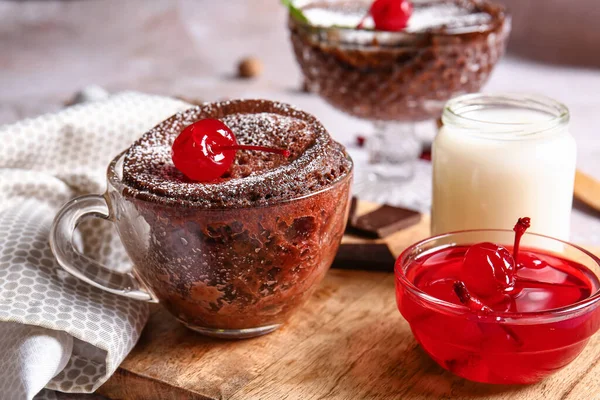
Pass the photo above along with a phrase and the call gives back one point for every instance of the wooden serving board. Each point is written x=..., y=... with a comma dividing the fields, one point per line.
x=348, y=342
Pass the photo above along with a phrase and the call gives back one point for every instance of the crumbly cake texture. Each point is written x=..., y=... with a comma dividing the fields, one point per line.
x=256, y=178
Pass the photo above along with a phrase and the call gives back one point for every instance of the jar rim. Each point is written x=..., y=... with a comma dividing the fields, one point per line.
x=455, y=108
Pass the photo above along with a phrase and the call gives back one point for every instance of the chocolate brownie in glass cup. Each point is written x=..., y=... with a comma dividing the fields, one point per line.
x=231, y=258
x=396, y=78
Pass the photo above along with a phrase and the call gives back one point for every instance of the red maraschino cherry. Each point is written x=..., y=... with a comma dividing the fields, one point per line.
x=488, y=269
x=389, y=15
x=205, y=150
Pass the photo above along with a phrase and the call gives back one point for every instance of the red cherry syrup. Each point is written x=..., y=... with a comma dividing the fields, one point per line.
x=482, y=344
x=543, y=282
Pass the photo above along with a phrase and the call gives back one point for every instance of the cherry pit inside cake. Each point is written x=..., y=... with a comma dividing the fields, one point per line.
x=245, y=250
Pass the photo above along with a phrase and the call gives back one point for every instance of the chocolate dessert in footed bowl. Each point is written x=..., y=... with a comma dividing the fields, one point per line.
x=232, y=256
x=396, y=63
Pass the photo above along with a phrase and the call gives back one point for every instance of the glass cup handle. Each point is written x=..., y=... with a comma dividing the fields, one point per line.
x=82, y=267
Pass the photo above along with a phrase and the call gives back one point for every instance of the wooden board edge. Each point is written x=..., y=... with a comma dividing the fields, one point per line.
x=126, y=385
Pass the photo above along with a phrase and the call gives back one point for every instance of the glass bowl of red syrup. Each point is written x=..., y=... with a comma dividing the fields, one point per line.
x=513, y=325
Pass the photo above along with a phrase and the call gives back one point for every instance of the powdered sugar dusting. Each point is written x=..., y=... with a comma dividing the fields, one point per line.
x=256, y=178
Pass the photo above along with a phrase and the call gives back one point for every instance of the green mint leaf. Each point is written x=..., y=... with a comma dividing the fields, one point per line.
x=295, y=12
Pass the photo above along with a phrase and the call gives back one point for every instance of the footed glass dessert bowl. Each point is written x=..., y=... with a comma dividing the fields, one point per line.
x=396, y=78
x=235, y=256
x=513, y=323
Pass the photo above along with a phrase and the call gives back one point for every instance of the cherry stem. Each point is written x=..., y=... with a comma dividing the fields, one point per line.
x=520, y=227
x=474, y=304
x=467, y=299
x=283, y=152
x=362, y=21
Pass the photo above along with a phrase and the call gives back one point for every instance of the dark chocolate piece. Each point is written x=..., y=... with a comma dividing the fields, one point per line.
x=364, y=256
x=384, y=221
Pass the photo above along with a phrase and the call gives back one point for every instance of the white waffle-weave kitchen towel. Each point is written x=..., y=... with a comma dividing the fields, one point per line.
x=55, y=331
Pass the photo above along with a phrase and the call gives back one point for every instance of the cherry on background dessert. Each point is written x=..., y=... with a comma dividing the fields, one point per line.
x=236, y=238
x=389, y=15
x=488, y=269
x=499, y=313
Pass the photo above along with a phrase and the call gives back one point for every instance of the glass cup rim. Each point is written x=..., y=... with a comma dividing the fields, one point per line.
x=516, y=317
x=115, y=182
x=400, y=39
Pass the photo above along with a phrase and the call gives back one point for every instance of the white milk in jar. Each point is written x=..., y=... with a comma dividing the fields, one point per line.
x=501, y=157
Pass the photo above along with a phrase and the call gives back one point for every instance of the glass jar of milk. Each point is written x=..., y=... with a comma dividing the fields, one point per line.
x=501, y=157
